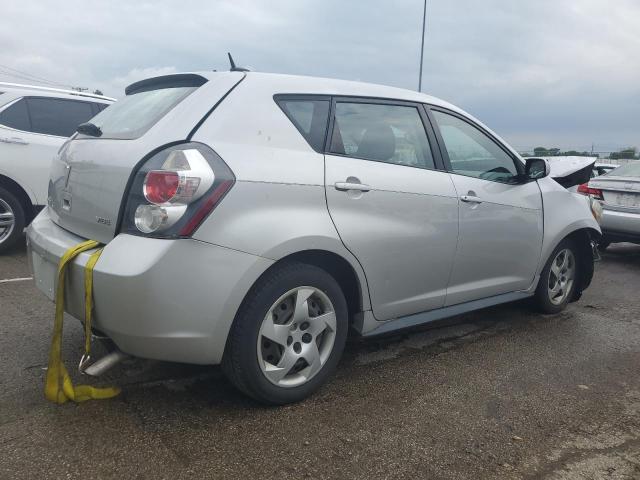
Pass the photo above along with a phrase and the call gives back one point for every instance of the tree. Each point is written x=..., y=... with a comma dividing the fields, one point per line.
x=546, y=152
x=540, y=151
x=97, y=92
x=625, y=153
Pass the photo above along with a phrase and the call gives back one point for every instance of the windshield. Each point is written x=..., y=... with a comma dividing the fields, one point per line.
x=132, y=116
x=631, y=169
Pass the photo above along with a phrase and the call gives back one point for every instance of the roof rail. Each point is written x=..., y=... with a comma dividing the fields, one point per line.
x=58, y=90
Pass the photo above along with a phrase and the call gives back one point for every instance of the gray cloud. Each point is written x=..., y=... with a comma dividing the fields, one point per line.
x=551, y=72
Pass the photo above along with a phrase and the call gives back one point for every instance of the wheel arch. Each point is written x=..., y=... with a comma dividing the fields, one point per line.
x=352, y=282
x=22, y=195
x=339, y=268
x=582, y=238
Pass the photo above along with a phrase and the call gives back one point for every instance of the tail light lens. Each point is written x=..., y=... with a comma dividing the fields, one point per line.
x=585, y=189
x=175, y=190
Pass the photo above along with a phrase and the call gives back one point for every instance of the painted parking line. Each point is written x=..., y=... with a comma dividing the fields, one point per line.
x=22, y=279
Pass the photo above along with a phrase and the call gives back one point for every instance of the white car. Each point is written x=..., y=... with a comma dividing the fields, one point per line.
x=603, y=168
x=34, y=123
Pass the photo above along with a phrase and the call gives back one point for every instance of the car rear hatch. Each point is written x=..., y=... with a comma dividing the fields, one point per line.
x=89, y=176
x=619, y=192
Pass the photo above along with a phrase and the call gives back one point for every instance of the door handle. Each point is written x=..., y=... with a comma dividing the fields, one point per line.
x=16, y=140
x=470, y=199
x=346, y=186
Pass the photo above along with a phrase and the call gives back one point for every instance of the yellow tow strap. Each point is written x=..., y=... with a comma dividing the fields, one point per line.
x=58, y=387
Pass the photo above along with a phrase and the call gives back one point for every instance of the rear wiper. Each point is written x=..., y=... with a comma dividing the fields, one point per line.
x=89, y=128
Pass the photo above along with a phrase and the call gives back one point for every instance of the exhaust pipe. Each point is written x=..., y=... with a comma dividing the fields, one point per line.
x=104, y=364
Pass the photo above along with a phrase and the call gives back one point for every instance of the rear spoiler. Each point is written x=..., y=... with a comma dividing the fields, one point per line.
x=166, y=81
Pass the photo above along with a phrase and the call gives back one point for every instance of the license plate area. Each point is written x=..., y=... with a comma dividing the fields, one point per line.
x=621, y=199
x=44, y=274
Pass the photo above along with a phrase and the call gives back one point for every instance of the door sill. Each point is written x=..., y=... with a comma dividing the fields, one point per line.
x=372, y=327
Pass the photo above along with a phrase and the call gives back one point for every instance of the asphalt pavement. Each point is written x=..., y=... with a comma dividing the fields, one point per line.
x=500, y=393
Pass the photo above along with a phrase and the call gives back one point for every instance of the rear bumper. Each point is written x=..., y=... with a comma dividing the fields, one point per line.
x=163, y=299
x=620, y=226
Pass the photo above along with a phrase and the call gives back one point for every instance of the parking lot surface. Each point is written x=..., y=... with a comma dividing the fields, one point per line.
x=500, y=393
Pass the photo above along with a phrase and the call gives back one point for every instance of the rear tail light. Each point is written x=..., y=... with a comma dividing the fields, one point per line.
x=585, y=189
x=160, y=186
x=175, y=190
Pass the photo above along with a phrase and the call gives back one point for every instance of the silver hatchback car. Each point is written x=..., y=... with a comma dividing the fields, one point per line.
x=251, y=220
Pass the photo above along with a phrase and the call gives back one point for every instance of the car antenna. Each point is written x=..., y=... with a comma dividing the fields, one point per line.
x=233, y=65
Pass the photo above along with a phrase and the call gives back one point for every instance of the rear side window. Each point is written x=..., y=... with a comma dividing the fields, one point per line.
x=54, y=116
x=309, y=117
x=16, y=116
x=132, y=116
x=383, y=133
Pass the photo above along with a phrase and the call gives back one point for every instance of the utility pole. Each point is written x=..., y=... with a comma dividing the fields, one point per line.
x=424, y=22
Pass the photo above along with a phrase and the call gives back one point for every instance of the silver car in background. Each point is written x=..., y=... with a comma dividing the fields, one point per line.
x=619, y=194
x=251, y=220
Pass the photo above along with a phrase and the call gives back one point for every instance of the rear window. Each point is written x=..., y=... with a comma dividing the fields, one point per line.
x=631, y=169
x=132, y=116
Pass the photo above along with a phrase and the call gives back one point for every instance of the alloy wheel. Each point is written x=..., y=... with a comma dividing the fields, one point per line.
x=296, y=336
x=7, y=220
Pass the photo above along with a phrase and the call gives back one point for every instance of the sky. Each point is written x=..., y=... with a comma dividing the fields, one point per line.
x=562, y=73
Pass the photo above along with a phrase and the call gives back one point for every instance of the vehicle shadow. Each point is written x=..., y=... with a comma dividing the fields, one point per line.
x=623, y=253
x=207, y=387
x=20, y=248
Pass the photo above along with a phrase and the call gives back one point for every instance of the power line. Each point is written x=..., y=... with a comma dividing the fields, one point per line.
x=15, y=73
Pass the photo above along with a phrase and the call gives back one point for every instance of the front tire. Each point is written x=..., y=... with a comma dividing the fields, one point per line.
x=559, y=279
x=12, y=220
x=288, y=335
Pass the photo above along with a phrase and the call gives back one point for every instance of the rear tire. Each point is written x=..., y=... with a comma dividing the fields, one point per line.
x=559, y=279
x=288, y=335
x=12, y=220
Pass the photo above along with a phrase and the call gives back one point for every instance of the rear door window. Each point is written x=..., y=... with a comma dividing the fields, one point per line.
x=309, y=117
x=382, y=133
x=16, y=116
x=56, y=116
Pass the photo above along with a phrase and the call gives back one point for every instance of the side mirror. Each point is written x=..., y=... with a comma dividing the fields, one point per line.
x=536, y=168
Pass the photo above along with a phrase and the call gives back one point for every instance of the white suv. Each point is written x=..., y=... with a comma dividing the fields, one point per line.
x=34, y=123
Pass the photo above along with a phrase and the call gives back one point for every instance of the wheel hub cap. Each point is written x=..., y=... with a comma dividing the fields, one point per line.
x=296, y=336
x=561, y=276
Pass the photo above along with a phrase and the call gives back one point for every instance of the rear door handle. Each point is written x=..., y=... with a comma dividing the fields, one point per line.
x=346, y=186
x=470, y=199
x=15, y=140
